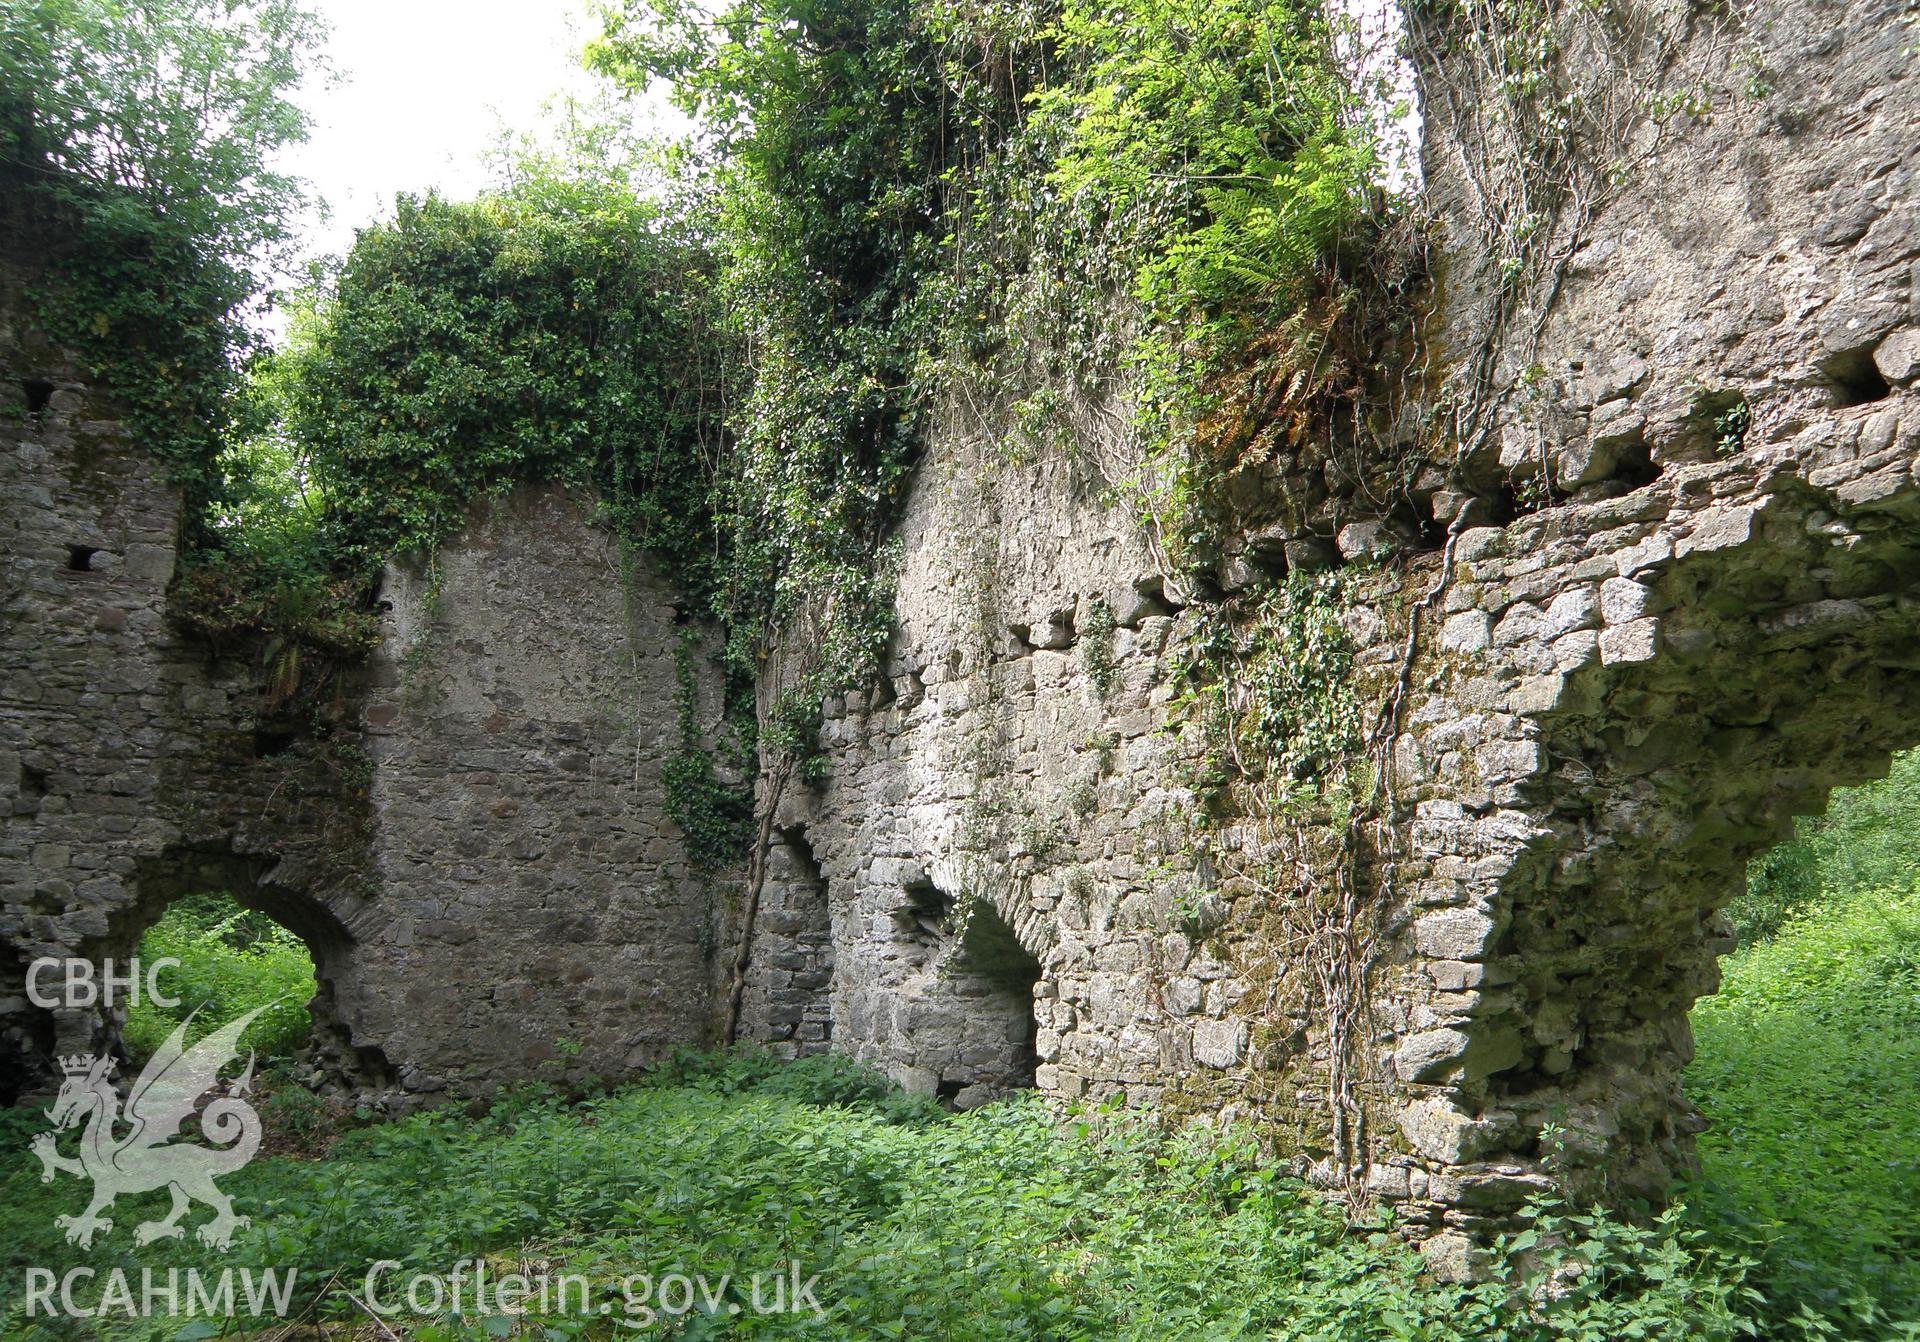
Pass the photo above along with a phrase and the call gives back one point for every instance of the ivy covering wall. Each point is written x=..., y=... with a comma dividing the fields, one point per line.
x=1161, y=206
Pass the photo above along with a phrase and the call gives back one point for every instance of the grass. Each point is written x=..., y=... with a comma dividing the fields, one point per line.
x=1809, y=1068
x=1003, y=1223
x=1012, y=1223
x=231, y=960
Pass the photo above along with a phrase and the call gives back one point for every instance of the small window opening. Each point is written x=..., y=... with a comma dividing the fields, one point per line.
x=39, y=394
x=271, y=741
x=1855, y=378
x=80, y=558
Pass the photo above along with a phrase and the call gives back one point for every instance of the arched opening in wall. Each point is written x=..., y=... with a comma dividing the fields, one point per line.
x=790, y=983
x=232, y=961
x=965, y=1019
x=1006, y=974
x=1807, y=1061
x=244, y=944
x=1681, y=1021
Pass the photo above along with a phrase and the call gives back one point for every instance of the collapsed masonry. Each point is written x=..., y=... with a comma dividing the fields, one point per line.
x=468, y=831
x=1624, y=682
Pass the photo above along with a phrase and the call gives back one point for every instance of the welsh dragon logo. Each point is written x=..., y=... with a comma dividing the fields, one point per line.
x=146, y=1156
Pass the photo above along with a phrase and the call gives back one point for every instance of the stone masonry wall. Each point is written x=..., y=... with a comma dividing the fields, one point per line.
x=1711, y=626
x=540, y=916
x=1694, y=628
x=1678, y=601
x=131, y=770
x=471, y=836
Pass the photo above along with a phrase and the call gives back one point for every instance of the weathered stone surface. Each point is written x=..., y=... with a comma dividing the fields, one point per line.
x=1636, y=670
x=520, y=809
x=1219, y=1043
x=1622, y=695
x=475, y=847
x=1898, y=356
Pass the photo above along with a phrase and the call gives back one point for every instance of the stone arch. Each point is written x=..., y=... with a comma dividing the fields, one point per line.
x=1692, y=668
x=1771, y=688
x=962, y=1024
x=260, y=884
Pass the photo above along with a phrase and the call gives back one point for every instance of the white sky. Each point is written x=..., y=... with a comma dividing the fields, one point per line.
x=425, y=87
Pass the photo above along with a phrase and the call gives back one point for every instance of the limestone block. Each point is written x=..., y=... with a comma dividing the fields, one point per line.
x=1523, y=623
x=1369, y=540
x=1137, y=600
x=1438, y=1131
x=1574, y=650
x=1898, y=356
x=1468, y=631
x=1718, y=530
x=1622, y=600
x=1308, y=554
x=1237, y=574
x=1219, y=1043
x=1447, y=1052
x=1638, y=641
x=1455, y=934
x=1578, y=609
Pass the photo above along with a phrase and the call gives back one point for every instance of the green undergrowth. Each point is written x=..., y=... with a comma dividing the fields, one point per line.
x=138, y=158
x=1809, y=1070
x=231, y=961
x=1867, y=836
x=1004, y=1223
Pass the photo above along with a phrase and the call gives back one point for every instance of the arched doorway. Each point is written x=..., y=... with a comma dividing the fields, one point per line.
x=963, y=1022
x=245, y=940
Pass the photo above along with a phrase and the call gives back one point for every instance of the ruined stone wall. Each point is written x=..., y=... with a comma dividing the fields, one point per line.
x=985, y=821
x=1016, y=889
x=131, y=764
x=1657, y=631
x=539, y=912
x=1676, y=603
x=1711, y=621
x=469, y=833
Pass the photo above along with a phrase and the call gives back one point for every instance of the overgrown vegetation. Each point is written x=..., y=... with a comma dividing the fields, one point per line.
x=137, y=143
x=1010, y=206
x=1162, y=206
x=142, y=141
x=1809, y=1070
x=1009, y=1223
x=550, y=331
x=232, y=960
x=1868, y=838
x=1153, y=212
x=1273, y=694
x=1002, y=1223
